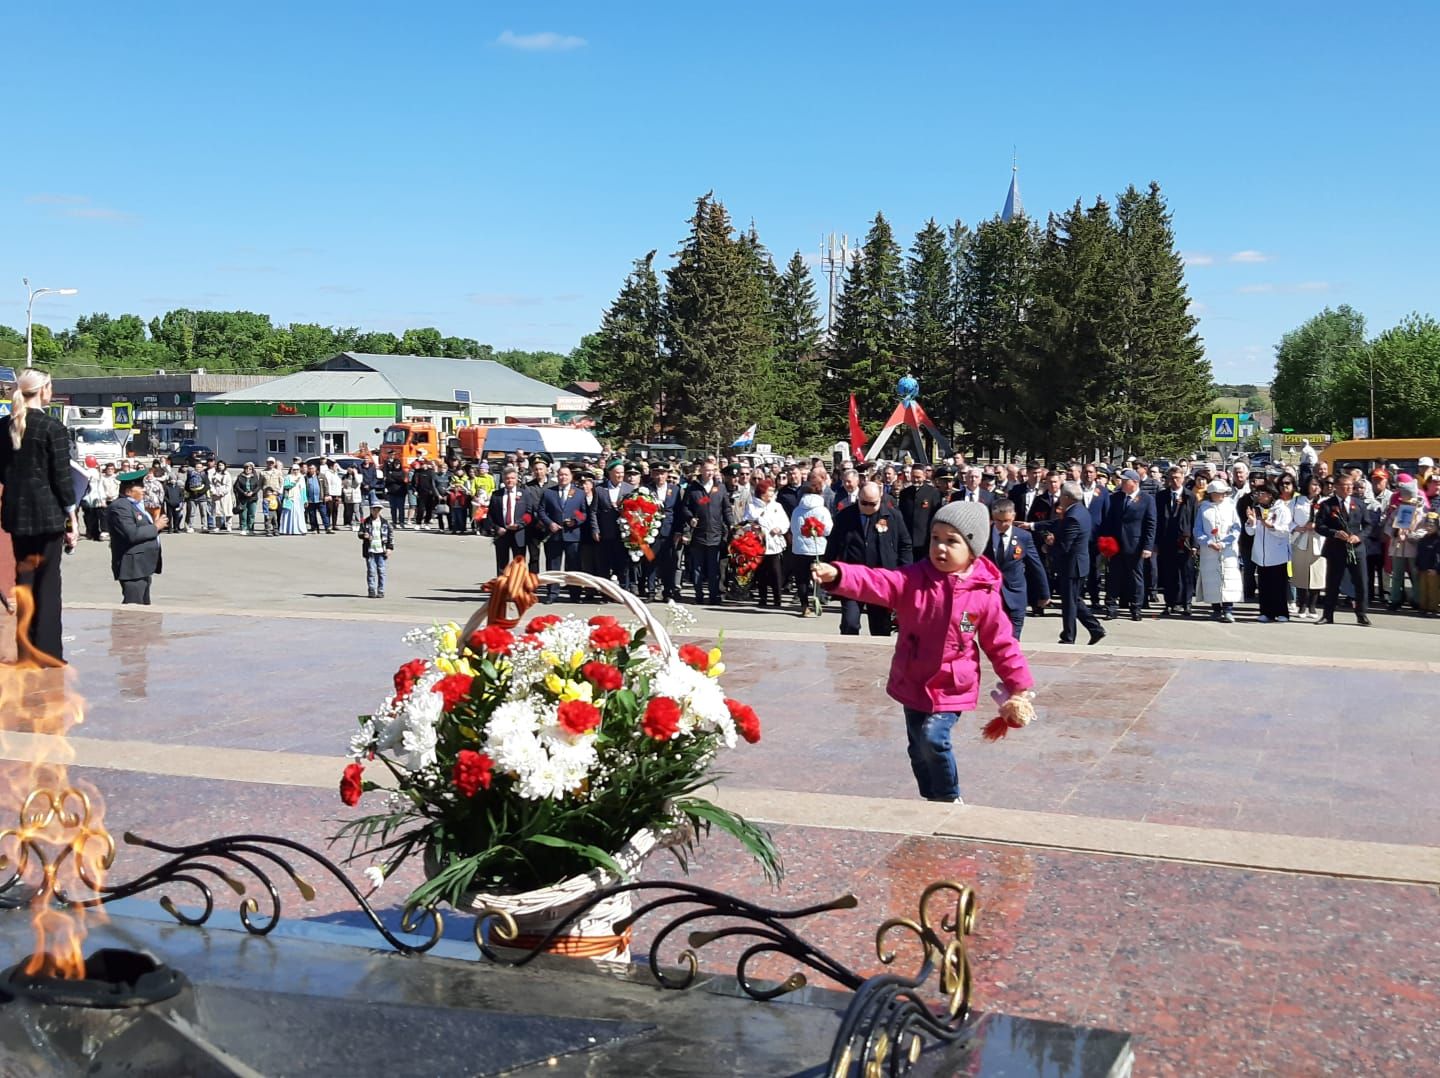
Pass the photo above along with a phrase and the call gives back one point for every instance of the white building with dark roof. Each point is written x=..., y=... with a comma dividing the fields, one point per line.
x=347, y=401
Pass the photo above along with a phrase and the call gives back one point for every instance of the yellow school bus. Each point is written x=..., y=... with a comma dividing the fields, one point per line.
x=1404, y=453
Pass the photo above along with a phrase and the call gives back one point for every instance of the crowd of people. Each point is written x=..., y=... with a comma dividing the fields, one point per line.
x=1181, y=539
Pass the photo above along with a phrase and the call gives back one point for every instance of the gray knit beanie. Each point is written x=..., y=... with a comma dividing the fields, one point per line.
x=970, y=519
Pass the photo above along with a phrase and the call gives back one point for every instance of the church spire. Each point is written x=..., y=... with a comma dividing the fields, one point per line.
x=1013, y=206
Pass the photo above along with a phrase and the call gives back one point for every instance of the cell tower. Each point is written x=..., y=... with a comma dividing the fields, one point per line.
x=836, y=256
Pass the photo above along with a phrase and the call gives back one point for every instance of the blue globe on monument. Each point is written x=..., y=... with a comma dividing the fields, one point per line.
x=908, y=388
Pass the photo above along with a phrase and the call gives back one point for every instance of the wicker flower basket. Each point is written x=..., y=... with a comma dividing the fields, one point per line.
x=536, y=912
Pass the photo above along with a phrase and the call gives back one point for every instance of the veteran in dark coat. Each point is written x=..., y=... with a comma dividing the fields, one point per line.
x=870, y=532
x=918, y=503
x=134, y=540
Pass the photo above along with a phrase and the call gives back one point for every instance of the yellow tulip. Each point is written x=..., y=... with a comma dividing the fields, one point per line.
x=445, y=666
x=716, y=669
x=577, y=659
x=714, y=656
x=555, y=683
x=576, y=691
x=449, y=641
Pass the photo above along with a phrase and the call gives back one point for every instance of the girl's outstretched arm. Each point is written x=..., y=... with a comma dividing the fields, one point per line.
x=881, y=587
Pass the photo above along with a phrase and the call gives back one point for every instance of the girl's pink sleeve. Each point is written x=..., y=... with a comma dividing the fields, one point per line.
x=879, y=586
x=997, y=640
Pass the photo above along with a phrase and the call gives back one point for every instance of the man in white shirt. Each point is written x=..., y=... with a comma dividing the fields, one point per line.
x=507, y=516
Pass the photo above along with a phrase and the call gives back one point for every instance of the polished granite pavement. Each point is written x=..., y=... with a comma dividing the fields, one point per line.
x=1217, y=970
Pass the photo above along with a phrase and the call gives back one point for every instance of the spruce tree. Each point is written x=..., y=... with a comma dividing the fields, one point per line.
x=1167, y=381
x=930, y=325
x=716, y=330
x=626, y=359
x=994, y=386
x=797, y=365
x=868, y=352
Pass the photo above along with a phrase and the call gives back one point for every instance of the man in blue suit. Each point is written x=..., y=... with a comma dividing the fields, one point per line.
x=1068, y=538
x=663, y=568
x=1130, y=521
x=606, y=526
x=1014, y=554
x=562, y=516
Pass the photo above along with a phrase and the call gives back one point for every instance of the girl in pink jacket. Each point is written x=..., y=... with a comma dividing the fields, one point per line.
x=949, y=609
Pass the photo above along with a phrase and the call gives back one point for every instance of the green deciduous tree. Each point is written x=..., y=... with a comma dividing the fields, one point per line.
x=1307, y=362
x=422, y=342
x=1406, y=371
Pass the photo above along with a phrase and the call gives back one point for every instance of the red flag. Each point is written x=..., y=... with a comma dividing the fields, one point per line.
x=857, y=436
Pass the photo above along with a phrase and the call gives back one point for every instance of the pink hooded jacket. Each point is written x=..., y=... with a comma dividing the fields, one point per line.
x=943, y=616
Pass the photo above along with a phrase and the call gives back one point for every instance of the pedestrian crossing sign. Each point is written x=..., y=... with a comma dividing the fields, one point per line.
x=123, y=415
x=4, y=408
x=1225, y=427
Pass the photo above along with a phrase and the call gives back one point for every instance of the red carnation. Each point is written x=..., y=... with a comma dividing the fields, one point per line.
x=453, y=689
x=531, y=639
x=1108, y=546
x=543, y=622
x=695, y=656
x=609, y=638
x=526, y=519
x=662, y=718
x=351, y=785
x=703, y=500
x=472, y=773
x=603, y=676
x=493, y=639
x=579, y=516
x=602, y=619
x=578, y=716
x=746, y=721
x=406, y=677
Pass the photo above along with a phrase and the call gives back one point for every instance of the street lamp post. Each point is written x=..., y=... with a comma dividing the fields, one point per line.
x=29, y=315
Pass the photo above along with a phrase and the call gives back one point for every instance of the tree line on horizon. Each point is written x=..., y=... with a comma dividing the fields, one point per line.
x=243, y=342
x=1326, y=367
x=1071, y=338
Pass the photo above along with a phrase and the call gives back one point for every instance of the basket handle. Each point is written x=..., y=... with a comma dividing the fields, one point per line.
x=518, y=587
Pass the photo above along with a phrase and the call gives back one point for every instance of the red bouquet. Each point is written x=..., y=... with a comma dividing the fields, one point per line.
x=812, y=528
x=640, y=516
x=747, y=550
x=1108, y=546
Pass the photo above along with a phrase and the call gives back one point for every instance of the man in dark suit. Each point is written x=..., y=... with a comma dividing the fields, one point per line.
x=1175, y=543
x=562, y=517
x=663, y=568
x=870, y=532
x=134, y=540
x=971, y=490
x=704, y=520
x=606, y=527
x=507, y=519
x=535, y=535
x=1068, y=538
x=1025, y=494
x=1023, y=582
x=1130, y=521
x=1341, y=520
x=917, y=504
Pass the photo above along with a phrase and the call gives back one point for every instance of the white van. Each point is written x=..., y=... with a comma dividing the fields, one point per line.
x=486, y=441
x=105, y=445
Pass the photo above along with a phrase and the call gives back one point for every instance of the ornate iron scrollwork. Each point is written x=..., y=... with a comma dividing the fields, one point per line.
x=883, y=1032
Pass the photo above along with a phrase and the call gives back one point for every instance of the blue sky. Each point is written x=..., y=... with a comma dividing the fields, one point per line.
x=492, y=168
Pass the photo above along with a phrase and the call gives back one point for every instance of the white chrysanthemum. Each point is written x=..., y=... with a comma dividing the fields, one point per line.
x=548, y=780
x=362, y=739
x=514, y=717
x=516, y=752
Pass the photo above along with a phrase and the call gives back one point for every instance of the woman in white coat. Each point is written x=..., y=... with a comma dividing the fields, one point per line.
x=1268, y=520
x=774, y=524
x=809, y=549
x=1217, y=534
x=222, y=496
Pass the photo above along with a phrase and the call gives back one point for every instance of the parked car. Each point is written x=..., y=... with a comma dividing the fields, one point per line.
x=192, y=453
x=342, y=461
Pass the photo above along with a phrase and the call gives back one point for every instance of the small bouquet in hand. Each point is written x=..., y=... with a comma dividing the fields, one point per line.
x=1016, y=710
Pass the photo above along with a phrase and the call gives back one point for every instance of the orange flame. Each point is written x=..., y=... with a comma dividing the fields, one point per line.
x=57, y=842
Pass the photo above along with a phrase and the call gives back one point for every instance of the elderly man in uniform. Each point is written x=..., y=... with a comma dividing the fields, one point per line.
x=134, y=540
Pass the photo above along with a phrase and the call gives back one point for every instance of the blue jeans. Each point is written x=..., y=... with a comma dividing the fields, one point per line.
x=930, y=757
x=375, y=573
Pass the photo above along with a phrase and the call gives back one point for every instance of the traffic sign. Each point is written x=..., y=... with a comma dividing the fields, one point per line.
x=1225, y=427
x=4, y=409
x=7, y=374
x=124, y=415
x=1360, y=427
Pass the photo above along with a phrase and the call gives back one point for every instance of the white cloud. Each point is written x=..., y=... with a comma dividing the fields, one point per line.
x=79, y=207
x=1255, y=289
x=1197, y=259
x=503, y=299
x=1197, y=308
x=1267, y=287
x=56, y=200
x=1313, y=286
x=1250, y=256
x=544, y=41
x=339, y=289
